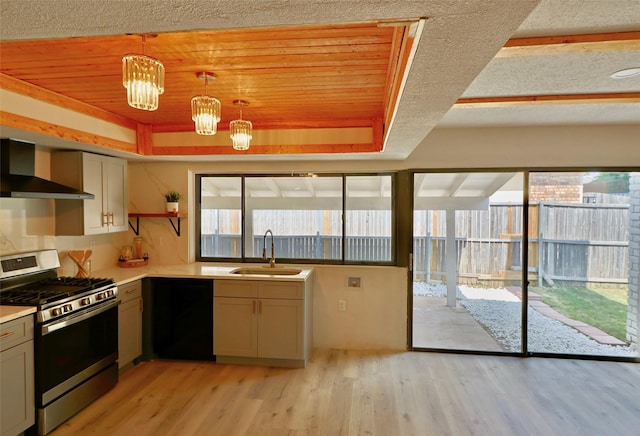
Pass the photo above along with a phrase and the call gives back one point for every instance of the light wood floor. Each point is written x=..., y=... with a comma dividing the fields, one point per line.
x=370, y=393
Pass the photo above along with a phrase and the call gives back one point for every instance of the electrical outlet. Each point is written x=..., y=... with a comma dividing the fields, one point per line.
x=354, y=282
x=342, y=305
x=92, y=245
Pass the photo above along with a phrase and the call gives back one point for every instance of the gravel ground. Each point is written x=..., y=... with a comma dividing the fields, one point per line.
x=499, y=311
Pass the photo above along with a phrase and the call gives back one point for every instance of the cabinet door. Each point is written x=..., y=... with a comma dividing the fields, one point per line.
x=281, y=329
x=17, y=398
x=117, y=194
x=129, y=331
x=93, y=173
x=235, y=327
x=130, y=291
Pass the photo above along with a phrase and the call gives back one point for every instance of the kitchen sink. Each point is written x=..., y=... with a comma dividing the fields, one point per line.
x=267, y=270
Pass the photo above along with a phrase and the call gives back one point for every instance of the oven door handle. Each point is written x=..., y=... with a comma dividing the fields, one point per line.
x=66, y=322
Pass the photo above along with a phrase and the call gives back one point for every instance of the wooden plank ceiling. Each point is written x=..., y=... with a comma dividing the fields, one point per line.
x=315, y=76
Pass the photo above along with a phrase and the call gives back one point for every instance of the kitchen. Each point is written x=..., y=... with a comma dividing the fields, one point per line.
x=29, y=224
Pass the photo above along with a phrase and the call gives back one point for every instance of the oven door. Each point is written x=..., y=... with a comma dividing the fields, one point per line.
x=75, y=348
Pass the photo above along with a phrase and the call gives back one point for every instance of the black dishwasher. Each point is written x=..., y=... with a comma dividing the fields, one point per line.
x=182, y=318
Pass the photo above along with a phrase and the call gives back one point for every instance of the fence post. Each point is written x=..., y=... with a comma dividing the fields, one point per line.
x=541, y=222
x=428, y=249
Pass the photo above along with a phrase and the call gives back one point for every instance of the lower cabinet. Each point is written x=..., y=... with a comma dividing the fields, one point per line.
x=17, y=398
x=129, y=322
x=262, y=320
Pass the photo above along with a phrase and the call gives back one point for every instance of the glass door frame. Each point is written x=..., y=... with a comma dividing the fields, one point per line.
x=525, y=242
x=408, y=221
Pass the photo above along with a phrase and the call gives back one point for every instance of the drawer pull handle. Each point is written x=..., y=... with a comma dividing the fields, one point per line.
x=129, y=291
x=6, y=335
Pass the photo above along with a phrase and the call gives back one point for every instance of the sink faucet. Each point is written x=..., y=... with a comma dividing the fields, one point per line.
x=272, y=261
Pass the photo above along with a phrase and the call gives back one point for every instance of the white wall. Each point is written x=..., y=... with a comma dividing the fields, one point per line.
x=376, y=315
x=528, y=147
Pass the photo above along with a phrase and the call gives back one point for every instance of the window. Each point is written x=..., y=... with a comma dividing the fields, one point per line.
x=220, y=217
x=304, y=213
x=368, y=218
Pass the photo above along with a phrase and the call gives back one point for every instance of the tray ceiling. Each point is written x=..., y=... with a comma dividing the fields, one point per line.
x=304, y=64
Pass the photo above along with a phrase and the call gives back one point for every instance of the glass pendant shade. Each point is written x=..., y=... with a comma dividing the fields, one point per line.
x=205, y=112
x=143, y=77
x=240, y=134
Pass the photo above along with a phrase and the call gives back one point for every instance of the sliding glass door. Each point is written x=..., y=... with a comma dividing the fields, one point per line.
x=582, y=262
x=585, y=246
x=467, y=268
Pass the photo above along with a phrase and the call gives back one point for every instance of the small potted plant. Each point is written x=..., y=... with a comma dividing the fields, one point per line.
x=172, y=198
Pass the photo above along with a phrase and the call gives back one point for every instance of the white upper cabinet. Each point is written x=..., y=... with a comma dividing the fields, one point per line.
x=103, y=176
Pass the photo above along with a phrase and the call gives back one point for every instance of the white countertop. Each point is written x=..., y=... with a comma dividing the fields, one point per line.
x=195, y=270
x=190, y=270
x=9, y=313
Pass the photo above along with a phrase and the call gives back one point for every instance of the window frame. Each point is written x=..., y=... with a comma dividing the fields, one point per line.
x=247, y=259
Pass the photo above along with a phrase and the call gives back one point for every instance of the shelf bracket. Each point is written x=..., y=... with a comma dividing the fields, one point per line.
x=136, y=229
x=170, y=216
x=176, y=229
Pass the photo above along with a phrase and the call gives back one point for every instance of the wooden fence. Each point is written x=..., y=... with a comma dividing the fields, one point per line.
x=571, y=243
x=360, y=248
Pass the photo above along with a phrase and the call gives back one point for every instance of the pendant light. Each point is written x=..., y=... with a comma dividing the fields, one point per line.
x=143, y=76
x=240, y=129
x=205, y=110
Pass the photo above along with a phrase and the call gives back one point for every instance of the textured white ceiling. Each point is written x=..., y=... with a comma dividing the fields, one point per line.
x=566, y=74
x=586, y=73
x=575, y=17
x=544, y=115
x=453, y=58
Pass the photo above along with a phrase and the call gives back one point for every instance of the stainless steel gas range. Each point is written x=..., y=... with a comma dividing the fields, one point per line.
x=76, y=333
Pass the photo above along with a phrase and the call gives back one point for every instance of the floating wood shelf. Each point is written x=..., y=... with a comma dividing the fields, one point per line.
x=169, y=215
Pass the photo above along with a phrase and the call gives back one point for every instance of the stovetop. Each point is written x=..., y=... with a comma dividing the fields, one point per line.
x=45, y=292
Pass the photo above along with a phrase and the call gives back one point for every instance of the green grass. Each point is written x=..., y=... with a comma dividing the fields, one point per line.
x=602, y=308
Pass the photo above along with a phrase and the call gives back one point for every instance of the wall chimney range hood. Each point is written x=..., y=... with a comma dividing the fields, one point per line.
x=18, y=175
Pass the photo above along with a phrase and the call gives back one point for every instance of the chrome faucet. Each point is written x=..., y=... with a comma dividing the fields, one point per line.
x=272, y=261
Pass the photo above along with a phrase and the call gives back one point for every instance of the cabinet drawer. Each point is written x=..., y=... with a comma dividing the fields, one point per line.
x=235, y=288
x=16, y=332
x=130, y=291
x=287, y=290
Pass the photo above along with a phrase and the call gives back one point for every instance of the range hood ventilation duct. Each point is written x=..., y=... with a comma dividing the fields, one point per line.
x=18, y=179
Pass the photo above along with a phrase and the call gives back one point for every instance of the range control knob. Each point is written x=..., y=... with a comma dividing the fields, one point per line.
x=109, y=292
x=56, y=311
x=85, y=301
x=67, y=308
x=100, y=296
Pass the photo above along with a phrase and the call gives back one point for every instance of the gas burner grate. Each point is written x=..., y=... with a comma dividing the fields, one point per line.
x=32, y=297
x=44, y=292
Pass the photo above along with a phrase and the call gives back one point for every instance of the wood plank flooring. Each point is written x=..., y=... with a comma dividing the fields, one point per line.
x=370, y=393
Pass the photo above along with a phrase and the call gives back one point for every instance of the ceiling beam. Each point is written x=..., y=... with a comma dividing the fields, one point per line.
x=21, y=87
x=422, y=182
x=571, y=44
x=498, y=183
x=528, y=100
x=271, y=184
x=457, y=184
